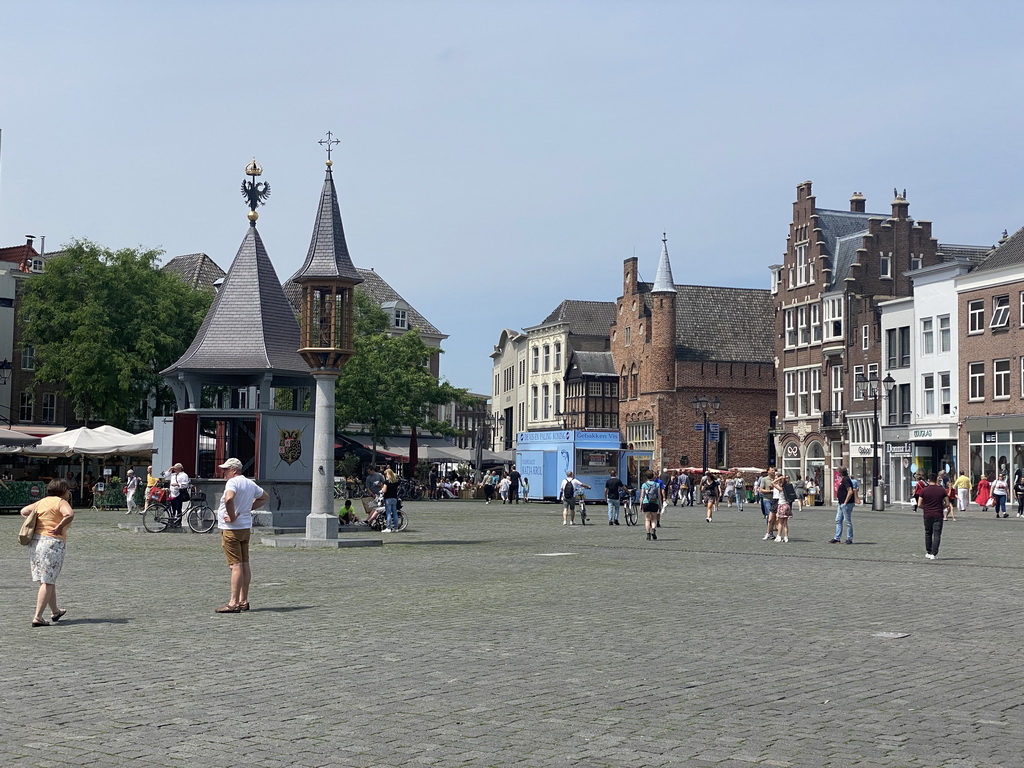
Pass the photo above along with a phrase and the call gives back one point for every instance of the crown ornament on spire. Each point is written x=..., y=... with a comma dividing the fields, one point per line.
x=254, y=192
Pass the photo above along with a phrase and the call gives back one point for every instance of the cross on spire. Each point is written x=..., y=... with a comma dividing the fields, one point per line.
x=328, y=144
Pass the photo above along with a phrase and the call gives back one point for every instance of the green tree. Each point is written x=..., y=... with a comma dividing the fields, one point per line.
x=387, y=385
x=104, y=323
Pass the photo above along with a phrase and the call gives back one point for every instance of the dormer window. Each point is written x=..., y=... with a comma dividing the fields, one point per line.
x=399, y=314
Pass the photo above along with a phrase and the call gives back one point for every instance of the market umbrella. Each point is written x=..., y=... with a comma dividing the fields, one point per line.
x=11, y=439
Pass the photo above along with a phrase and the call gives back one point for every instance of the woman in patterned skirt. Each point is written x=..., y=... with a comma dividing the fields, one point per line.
x=46, y=552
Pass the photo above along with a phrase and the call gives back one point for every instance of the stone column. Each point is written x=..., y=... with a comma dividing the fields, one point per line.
x=322, y=523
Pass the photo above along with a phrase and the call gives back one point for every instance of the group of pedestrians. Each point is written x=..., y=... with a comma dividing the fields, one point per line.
x=510, y=486
x=54, y=515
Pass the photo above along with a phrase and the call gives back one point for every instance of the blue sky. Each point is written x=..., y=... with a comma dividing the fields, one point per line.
x=498, y=157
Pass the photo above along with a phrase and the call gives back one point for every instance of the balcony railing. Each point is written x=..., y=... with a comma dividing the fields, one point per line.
x=833, y=419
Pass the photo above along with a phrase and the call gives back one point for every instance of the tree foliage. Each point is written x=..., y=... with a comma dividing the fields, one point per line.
x=104, y=323
x=387, y=385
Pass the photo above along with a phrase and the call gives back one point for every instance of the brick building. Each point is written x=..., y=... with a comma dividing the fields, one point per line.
x=990, y=305
x=838, y=266
x=673, y=343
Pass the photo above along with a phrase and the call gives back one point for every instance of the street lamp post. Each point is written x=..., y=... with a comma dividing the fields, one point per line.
x=702, y=406
x=483, y=428
x=867, y=386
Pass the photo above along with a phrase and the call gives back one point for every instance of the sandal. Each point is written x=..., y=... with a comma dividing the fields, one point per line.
x=243, y=606
x=229, y=609
x=55, y=617
x=40, y=623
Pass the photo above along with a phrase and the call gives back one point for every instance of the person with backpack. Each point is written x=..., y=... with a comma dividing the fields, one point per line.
x=570, y=487
x=710, y=490
x=784, y=513
x=650, y=503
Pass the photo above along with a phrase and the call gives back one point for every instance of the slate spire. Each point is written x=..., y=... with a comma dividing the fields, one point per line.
x=663, y=281
x=328, y=252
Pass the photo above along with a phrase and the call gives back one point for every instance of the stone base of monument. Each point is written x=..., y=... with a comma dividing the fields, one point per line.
x=299, y=541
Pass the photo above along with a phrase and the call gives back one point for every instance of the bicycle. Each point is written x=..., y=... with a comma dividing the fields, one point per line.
x=160, y=515
x=581, y=507
x=629, y=508
x=410, y=489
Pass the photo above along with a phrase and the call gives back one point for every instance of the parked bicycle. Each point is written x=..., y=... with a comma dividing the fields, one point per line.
x=198, y=515
x=410, y=489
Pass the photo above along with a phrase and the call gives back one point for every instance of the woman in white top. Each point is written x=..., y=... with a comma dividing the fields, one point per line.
x=178, y=490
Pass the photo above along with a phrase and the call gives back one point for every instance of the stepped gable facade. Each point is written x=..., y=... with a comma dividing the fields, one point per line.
x=837, y=267
x=671, y=343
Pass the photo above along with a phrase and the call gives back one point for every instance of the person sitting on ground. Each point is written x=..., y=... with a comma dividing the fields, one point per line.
x=347, y=516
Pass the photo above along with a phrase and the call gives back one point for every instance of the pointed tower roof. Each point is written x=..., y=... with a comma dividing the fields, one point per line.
x=663, y=281
x=250, y=329
x=328, y=252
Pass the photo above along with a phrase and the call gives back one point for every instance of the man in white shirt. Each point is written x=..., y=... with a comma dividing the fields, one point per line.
x=234, y=518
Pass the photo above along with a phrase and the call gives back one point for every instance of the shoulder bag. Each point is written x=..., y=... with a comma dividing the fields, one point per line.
x=28, y=528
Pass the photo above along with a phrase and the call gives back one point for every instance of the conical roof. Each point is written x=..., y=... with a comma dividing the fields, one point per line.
x=663, y=281
x=250, y=327
x=328, y=252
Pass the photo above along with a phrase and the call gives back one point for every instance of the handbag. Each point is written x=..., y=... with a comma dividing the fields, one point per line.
x=28, y=528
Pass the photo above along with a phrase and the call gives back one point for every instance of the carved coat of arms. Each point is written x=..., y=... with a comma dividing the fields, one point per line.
x=290, y=447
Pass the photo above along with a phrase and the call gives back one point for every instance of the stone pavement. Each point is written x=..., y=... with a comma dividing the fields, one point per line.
x=495, y=636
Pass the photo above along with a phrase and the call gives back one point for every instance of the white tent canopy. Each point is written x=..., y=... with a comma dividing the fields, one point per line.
x=102, y=441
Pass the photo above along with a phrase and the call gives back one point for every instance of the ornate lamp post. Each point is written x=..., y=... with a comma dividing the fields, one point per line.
x=483, y=428
x=702, y=406
x=328, y=279
x=867, y=386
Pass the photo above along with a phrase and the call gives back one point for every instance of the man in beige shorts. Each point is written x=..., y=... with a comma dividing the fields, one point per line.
x=234, y=518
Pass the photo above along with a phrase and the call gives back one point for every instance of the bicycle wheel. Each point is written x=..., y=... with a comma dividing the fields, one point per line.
x=583, y=511
x=201, y=519
x=630, y=514
x=403, y=521
x=416, y=493
x=156, y=517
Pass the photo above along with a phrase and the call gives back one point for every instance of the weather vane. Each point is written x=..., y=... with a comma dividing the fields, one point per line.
x=255, y=193
x=329, y=143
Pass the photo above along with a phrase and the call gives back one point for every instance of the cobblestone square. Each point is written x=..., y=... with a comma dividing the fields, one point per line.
x=496, y=636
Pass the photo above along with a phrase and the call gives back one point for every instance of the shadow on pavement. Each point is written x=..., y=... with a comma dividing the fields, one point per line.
x=68, y=622
x=283, y=609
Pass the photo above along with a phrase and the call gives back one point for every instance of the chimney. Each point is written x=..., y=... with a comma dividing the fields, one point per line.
x=900, y=206
x=857, y=202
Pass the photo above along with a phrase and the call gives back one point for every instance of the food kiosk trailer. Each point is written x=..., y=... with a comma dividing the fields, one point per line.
x=545, y=457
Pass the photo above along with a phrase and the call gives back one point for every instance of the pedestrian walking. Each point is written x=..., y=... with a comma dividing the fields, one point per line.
x=240, y=499
x=1018, y=493
x=846, y=495
x=709, y=491
x=525, y=481
x=612, y=495
x=151, y=481
x=650, y=503
x=513, y=485
x=741, y=492
x=129, y=492
x=503, y=488
x=934, y=503
x=963, y=488
x=784, y=513
x=567, y=492
x=46, y=550
x=1000, y=490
